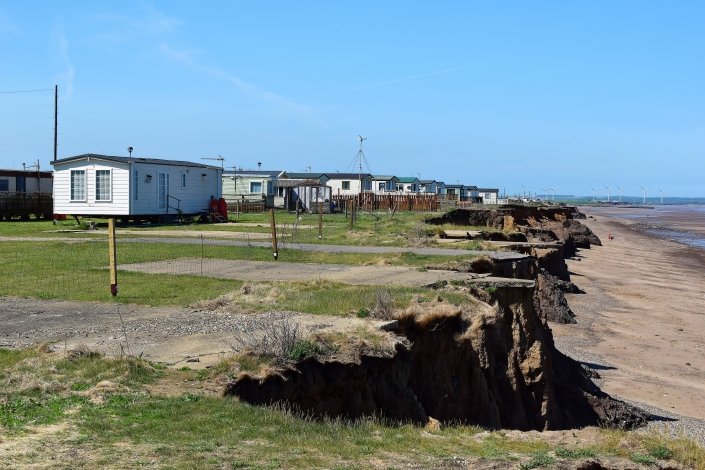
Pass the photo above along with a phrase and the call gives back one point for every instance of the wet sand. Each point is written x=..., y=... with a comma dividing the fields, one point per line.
x=642, y=320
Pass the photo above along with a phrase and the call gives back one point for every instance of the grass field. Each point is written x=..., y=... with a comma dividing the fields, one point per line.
x=78, y=271
x=84, y=410
x=73, y=270
x=379, y=229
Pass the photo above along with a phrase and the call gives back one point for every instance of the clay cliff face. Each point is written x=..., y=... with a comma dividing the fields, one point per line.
x=490, y=365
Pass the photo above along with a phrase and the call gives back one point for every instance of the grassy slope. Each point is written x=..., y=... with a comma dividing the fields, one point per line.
x=51, y=409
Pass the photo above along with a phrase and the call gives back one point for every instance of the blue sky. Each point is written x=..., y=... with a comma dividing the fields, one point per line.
x=564, y=95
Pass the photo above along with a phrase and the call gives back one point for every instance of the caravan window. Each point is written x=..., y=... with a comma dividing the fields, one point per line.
x=4, y=185
x=346, y=185
x=78, y=185
x=255, y=187
x=102, y=185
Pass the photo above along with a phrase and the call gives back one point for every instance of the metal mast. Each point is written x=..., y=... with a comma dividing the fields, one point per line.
x=360, y=158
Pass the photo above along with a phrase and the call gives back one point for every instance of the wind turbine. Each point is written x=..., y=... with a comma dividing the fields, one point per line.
x=593, y=194
x=608, y=192
x=661, y=191
x=523, y=191
x=554, y=194
x=643, y=191
x=620, y=194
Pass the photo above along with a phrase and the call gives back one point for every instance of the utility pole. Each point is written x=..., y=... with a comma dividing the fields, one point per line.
x=56, y=119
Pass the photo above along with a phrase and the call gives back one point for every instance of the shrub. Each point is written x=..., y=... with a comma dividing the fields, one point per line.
x=363, y=313
x=384, y=305
x=302, y=350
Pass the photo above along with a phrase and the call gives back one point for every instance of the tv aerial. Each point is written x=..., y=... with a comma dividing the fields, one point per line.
x=218, y=158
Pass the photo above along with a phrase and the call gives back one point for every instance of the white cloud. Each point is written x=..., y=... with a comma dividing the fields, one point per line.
x=156, y=22
x=123, y=28
x=62, y=56
x=187, y=57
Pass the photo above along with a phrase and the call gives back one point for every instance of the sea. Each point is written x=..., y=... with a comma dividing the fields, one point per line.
x=682, y=223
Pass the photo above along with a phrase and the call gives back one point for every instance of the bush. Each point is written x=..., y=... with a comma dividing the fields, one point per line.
x=363, y=313
x=384, y=306
x=302, y=350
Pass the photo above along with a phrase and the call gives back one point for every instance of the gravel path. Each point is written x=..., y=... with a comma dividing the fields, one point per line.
x=162, y=334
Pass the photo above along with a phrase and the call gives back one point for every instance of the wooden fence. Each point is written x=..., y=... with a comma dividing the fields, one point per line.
x=237, y=207
x=401, y=202
x=24, y=205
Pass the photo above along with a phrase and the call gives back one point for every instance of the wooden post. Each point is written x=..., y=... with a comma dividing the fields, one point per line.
x=273, y=225
x=320, y=212
x=113, y=256
x=352, y=214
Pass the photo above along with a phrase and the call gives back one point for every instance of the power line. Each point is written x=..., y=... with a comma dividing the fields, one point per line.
x=25, y=91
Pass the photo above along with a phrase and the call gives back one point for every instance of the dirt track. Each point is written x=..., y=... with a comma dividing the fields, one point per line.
x=281, y=271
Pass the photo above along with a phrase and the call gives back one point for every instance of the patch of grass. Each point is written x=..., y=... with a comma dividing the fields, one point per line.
x=644, y=459
x=661, y=452
x=362, y=313
x=539, y=459
x=55, y=373
x=252, y=363
x=18, y=411
x=580, y=453
x=322, y=298
x=10, y=357
x=303, y=349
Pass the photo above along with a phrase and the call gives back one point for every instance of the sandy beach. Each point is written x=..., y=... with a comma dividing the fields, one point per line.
x=642, y=319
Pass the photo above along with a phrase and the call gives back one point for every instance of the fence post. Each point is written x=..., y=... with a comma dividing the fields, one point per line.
x=113, y=256
x=274, y=234
x=320, y=219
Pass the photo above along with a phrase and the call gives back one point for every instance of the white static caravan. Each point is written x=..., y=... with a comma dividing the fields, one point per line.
x=105, y=185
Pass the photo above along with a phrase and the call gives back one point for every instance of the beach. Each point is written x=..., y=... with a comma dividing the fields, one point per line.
x=641, y=321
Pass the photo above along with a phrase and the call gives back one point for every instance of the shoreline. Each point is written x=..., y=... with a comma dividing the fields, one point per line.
x=641, y=323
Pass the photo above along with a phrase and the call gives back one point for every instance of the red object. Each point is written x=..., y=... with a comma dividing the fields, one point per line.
x=223, y=208
x=60, y=216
